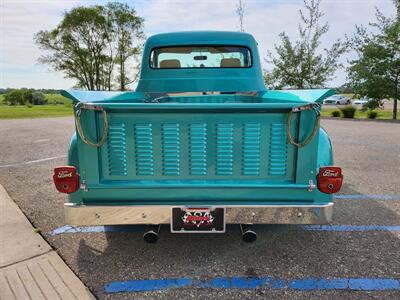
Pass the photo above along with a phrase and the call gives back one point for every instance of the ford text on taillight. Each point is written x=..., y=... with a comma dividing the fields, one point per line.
x=330, y=179
x=66, y=179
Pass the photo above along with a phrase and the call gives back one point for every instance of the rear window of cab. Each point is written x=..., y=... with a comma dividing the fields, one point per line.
x=200, y=56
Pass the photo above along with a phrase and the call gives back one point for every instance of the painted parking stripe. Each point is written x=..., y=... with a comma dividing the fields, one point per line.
x=307, y=284
x=147, y=285
x=94, y=229
x=366, y=197
x=350, y=228
x=140, y=228
x=33, y=161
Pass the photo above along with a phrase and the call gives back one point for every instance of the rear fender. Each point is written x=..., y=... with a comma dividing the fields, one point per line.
x=73, y=152
x=325, y=152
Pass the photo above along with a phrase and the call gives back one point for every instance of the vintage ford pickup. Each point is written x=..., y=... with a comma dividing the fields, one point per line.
x=201, y=143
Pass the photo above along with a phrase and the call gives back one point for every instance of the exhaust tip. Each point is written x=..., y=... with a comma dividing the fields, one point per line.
x=249, y=236
x=150, y=237
x=151, y=234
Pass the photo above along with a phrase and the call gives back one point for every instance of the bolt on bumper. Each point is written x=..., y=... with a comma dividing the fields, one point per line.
x=161, y=214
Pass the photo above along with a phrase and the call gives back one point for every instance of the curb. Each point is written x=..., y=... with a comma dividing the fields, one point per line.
x=29, y=267
x=362, y=120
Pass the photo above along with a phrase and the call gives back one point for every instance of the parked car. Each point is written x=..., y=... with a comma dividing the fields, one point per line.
x=362, y=101
x=337, y=100
x=201, y=143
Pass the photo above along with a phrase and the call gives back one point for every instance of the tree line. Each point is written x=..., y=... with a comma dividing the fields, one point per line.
x=24, y=97
x=44, y=91
x=99, y=46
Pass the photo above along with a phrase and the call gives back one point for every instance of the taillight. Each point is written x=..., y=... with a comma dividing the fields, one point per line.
x=330, y=179
x=66, y=179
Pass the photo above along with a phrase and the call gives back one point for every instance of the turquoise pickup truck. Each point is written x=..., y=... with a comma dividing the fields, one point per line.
x=199, y=144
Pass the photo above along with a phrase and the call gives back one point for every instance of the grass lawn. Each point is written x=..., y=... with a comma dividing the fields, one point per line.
x=382, y=114
x=58, y=106
x=57, y=99
x=37, y=111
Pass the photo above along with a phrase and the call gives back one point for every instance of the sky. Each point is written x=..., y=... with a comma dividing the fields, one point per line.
x=264, y=19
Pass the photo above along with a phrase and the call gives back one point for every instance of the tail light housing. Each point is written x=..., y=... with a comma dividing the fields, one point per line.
x=66, y=179
x=330, y=179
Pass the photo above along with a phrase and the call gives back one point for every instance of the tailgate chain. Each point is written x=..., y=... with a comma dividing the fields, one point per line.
x=78, y=110
x=314, y=107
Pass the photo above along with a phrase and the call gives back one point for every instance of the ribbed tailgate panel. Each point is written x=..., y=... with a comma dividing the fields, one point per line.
x=191, y=147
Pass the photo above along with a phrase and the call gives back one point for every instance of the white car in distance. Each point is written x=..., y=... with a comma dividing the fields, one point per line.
x=362, y=101
x=337, y=100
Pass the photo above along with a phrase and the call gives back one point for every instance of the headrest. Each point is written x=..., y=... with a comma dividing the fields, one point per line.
x=230, y=63
x=170, y=63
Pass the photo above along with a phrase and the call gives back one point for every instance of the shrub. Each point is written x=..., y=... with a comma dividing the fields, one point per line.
x=38, y=98
x=372, y=114
x=27, y=95
x=15, y=97
x=348, y=111
x=335, y=113
x=29, y=105
x=372, y=104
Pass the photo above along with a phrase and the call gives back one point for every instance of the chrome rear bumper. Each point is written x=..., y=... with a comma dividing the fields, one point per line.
x=161, y=214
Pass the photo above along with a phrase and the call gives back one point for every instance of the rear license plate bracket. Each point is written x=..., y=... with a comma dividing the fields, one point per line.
x=198, y=219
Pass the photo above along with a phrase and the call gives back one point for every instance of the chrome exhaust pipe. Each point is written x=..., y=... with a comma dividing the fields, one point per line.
x=248, y=235
x=151, y=234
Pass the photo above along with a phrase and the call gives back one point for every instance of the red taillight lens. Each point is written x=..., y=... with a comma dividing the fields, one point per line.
x=66, y=179
x=330, y=179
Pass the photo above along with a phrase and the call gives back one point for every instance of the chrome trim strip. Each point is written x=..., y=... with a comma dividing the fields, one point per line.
x=161, y=214
x=146, y=184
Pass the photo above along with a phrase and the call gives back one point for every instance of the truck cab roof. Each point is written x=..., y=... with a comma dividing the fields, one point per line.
x=200, y=37
x=201, y=61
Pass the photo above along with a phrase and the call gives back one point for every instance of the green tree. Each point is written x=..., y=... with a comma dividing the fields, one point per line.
x=127, y=33
x=14, y=97
x=376, y=70
x=301, y=64
x=27, y=96
x=19, y=97
x=84, y=45
x=38, y=98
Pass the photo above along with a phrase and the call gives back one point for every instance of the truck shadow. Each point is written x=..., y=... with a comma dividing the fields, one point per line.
x=280, y=251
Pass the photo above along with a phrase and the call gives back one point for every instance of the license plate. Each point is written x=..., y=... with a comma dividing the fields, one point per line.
x=198, y=220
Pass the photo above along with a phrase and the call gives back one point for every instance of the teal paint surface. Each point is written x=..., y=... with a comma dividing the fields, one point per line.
x=210, y=79
x=219, y=148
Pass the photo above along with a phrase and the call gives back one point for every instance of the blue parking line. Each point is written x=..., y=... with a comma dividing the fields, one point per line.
x=94, y=229
x=366, y=197
x=305, y=284
x=140, y=228
x=146, y=285
x=350, y=228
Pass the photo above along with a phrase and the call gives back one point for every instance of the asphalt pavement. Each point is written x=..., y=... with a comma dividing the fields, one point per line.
x=369, y=153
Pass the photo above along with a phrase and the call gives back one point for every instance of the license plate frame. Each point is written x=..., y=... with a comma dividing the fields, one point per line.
x=186, y=219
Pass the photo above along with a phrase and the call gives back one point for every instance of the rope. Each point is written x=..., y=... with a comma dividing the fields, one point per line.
x=78, y=110
x=79, y=106
x=313, y=133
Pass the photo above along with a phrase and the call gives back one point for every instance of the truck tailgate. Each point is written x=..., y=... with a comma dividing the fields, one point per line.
x=200, y=152
x=148, y=146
